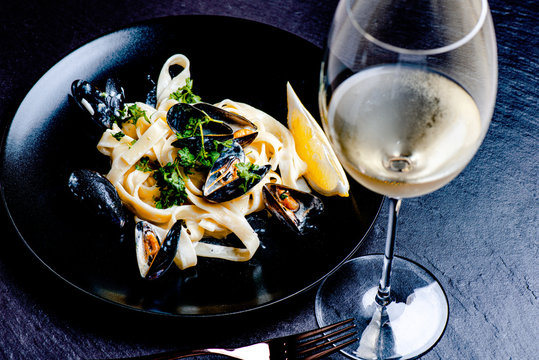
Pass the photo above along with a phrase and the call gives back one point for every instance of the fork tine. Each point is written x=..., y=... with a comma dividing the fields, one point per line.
x=318, y=344
x=317, y=339
x=321, y=330
x=331, y=340
x=330, y=350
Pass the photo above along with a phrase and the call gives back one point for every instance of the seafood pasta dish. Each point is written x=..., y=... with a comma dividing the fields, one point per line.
x=190, y=171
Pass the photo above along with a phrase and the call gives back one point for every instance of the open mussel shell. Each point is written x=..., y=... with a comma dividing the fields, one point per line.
x=223, y=182
x=178, y=119
x=102, y=106
x=154, y=256
x=244, y=130
x=98, y=194
x=292, y=207
x=194, y=143
x=180, y=114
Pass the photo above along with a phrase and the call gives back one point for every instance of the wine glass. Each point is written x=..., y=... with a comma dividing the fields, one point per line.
x=407, y=93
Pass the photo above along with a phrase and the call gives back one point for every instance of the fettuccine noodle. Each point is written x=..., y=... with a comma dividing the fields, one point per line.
x=203, y=219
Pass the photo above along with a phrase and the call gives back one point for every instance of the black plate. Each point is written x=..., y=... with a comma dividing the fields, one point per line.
x=47, y=139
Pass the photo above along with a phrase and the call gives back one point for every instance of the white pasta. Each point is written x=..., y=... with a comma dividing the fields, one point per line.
x=203, y=219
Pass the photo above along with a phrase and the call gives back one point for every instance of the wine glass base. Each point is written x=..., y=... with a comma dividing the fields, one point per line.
x=406, y=328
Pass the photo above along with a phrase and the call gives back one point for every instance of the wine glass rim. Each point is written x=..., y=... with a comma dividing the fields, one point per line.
x=434, y=51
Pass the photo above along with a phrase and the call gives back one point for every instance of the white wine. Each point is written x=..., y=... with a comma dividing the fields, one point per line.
x=403, y=131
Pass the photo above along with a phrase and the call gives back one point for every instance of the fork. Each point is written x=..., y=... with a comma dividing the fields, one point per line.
x=308, y=345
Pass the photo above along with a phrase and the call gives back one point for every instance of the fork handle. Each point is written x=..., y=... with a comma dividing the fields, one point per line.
x=172, y=355
x=251, y=352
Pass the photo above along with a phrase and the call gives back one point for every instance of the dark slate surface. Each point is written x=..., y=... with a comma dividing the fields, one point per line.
x=478, y=235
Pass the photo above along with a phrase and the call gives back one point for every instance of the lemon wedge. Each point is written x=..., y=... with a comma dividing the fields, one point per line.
x=324, y=171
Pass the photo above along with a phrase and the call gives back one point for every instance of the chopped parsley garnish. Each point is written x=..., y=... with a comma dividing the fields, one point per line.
x=206, y=153
x=206, y=159
x=284, y=195
x=194, y=127
x=146, y=165
x=203, y=160
x=130, y=113
x=168, y=179
x=227, y=143
x=185, y=94
x=195, y=149
x=245, y=171
x=134, y=113
x=171, y=185
x=118, y=136
x=185, y=158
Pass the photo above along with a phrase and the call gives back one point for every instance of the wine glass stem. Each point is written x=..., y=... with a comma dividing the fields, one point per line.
x=383, y=297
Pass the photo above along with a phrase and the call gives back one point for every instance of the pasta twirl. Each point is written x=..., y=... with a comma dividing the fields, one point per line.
x=150, y=137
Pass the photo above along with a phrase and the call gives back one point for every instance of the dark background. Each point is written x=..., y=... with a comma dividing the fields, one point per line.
x=478, y=235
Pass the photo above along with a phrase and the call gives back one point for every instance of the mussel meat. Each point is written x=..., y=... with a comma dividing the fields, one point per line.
x=103, y=106
x=97, y=193
x=154, y=256
x=293, y=207
x=223, y=182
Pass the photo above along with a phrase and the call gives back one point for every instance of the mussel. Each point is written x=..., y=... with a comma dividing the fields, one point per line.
x=223, y=182
x=154, y=256
x=224, y=125
x=103, y=106
x=244, y=130
x=181, y=118
x=292, y=207
x=98, y=194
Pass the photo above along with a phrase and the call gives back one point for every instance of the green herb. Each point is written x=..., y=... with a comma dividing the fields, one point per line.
x=227, y=143
x=146, y=165
x=185, y=94
x=203, y=160
x=185, y=158
x=245, y=171
x=206, y=159
x=283, y=196
x=194, y=127
x=133, y=142
x=171, y=185
x=130, y=113
x=135, y=113
x=118, y=136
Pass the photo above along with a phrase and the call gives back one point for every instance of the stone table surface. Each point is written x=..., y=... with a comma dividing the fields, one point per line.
x=478, y=235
